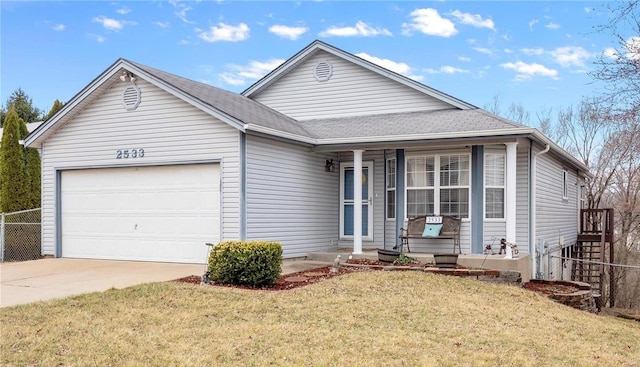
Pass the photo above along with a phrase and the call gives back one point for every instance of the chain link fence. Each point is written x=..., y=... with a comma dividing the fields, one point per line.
x=20, y=235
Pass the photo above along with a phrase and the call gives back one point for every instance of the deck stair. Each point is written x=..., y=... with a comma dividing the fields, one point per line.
x=594, y=238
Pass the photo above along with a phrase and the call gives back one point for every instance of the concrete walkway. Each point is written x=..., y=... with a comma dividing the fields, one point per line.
x=38, y=280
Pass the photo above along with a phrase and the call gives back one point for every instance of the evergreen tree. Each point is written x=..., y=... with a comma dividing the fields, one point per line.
x=57, y=105
x=14, y=192
x=32, y=170
x=23, y=106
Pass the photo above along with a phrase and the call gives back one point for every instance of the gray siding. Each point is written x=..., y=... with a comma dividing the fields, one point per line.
x=168, y=129
x=351, y=91
x=555, y=217
x=290, y=197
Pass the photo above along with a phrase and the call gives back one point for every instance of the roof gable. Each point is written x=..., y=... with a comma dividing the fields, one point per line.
x=318, y=46
x=231, y=108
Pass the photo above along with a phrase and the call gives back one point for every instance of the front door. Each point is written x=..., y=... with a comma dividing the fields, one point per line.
x=347, y=200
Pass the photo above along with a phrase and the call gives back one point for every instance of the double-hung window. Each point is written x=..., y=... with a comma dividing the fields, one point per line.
x=494, y=185
x=438, y=184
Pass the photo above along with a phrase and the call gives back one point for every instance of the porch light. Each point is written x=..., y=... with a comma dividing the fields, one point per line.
x=329, y=166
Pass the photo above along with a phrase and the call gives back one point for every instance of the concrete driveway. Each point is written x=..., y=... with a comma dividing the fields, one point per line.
x=30, y=281
x=39, y=280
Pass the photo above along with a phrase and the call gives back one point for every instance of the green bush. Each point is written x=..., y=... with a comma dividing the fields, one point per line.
x=252, y=263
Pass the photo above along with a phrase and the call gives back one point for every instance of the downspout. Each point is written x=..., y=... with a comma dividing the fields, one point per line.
x=533, y=211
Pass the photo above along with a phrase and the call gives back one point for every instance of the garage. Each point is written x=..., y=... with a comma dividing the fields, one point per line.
x=149, y=213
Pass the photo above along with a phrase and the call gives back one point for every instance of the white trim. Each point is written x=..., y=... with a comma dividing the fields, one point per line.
x=368, y=165
x=436, y=181
x=511, y=184
x=503, y=187
x=316, y=46
x=388, y=189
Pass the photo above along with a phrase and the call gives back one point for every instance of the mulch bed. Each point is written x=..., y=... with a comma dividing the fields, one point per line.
x=287, y=281
x=549, y=289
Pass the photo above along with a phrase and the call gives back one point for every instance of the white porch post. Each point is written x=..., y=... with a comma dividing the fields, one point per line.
x=510, y=208
x=357, y=202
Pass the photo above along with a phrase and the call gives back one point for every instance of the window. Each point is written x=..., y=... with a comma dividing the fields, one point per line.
x=438, y=185
x=494, y=185
x=565, y=184
x=583, y=197
x=391, y=188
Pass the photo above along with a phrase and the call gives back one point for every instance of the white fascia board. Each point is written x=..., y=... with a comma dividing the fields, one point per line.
x=232, y=121
x=280, y=134
x=319, y=45
x=563, y=153
x=425, y=136
x=73, y=103
x=280, y=70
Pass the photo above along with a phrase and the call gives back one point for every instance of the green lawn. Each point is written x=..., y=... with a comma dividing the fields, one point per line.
x=360, y=319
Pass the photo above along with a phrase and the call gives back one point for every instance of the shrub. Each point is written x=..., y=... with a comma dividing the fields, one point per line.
x=252, y=263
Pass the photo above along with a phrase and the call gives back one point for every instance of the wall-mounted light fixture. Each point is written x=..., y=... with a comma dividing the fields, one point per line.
x=329, y=166
x=127, y=77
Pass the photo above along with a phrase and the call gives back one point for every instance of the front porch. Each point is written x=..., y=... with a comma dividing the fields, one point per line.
x=521, y=263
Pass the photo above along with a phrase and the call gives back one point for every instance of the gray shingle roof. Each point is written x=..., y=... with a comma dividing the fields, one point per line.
x=248, y=111
x=235, y=105
x=408, y=123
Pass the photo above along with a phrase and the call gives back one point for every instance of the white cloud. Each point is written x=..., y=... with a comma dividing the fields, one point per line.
x=527, y=71
x=611, y=53
x=532, y=51
x=123, y=11
x=59, y=27
x=532, y=23
x=283, y=31
x=570, y=55
x=632, y=46
x=473, y=20
x=162, y=24
x=483, y=50
x=447, y=69
x=552, y=25
x=112, y=24
x=98, y=38
x=397, y=67
x=225, y=32
x=429, y=22
x=360, y=29
x=108, y=23
x=464, y=59
x=241, y=75
x=181, y=11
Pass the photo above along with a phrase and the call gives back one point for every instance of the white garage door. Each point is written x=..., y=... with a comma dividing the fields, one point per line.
x=156, y=213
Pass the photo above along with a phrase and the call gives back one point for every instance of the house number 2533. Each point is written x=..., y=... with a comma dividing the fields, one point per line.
x=129, y=153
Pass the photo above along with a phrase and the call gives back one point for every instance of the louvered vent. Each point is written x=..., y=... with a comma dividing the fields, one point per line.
x=131, y=97
x=323, y=71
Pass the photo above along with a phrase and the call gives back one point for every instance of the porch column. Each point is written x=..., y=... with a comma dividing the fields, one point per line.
x=357, y=202
x=510, y=205
x=400, y=188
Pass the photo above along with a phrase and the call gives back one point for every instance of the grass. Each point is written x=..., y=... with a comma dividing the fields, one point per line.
x=360, y=319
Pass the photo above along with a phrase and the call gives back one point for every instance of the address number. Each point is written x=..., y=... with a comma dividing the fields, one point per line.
x=129, y=153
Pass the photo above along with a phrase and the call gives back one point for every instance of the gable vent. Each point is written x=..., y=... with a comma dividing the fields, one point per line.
x=131, y=97
x=322, y=72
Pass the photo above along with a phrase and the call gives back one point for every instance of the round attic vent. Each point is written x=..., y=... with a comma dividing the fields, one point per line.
x=322, y=72
x=131, y=97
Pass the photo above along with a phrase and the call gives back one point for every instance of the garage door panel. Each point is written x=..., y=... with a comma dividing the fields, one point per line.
x=163, y=213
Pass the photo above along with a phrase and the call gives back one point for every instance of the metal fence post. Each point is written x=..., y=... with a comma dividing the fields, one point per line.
x=2, y=237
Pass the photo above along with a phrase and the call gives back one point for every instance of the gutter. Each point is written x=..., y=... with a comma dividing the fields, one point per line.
x=533, y=210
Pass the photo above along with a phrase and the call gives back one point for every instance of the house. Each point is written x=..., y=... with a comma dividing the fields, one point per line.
x=145, y=165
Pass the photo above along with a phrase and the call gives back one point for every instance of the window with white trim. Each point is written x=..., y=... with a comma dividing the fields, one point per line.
x=494, y=185
x=438, y=184
x=583, y=197
x=565, y=184
x=391, y=188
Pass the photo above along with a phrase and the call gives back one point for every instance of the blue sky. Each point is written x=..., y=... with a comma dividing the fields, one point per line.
x=537, y=54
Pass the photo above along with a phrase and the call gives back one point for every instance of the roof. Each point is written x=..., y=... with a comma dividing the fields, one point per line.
x=247, y=115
